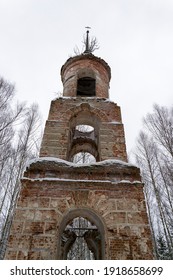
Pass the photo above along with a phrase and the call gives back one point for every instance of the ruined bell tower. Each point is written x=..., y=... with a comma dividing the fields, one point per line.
x=81, y=199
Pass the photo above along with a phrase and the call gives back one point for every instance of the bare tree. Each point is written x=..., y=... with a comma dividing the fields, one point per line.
x=154, y=156
x=89, y=45
x=160, y=125
x=20, y=135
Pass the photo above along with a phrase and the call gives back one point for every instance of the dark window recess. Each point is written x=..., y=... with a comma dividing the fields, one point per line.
x=86, y=87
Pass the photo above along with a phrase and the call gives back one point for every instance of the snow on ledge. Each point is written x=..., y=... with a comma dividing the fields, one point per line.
x=63, y=179
x=71, y=164
x=130, y=182
x=76, y=180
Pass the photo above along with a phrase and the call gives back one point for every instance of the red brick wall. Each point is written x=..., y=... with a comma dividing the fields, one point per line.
x=44, y=203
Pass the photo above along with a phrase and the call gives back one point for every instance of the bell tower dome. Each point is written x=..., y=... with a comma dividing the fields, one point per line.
x=86, y=75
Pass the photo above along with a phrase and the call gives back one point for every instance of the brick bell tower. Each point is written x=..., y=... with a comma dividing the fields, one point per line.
x=81, y=199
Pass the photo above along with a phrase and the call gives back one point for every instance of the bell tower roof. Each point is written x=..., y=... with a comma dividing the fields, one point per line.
x=86, y=75
x=86, y=56
x=90, y=46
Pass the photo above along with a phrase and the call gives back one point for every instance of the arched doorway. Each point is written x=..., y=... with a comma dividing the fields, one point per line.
x=82, y=236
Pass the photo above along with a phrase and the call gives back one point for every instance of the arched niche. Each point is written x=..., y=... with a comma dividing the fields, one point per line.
x=81, y=236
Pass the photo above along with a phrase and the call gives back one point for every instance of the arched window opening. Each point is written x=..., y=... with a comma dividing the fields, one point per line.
x=83, y=158
x=81, y=240
x=84, y=144
x=86, y=87
x=84, y=138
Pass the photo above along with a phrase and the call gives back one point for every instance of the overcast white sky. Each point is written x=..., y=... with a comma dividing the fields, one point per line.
x=135, y=38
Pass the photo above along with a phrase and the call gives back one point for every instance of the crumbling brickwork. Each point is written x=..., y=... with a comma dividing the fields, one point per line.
x=55, y=191
x=65, y=114
x=84, y=66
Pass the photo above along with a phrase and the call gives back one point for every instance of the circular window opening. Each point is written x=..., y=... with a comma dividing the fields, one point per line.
x=84, y=128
